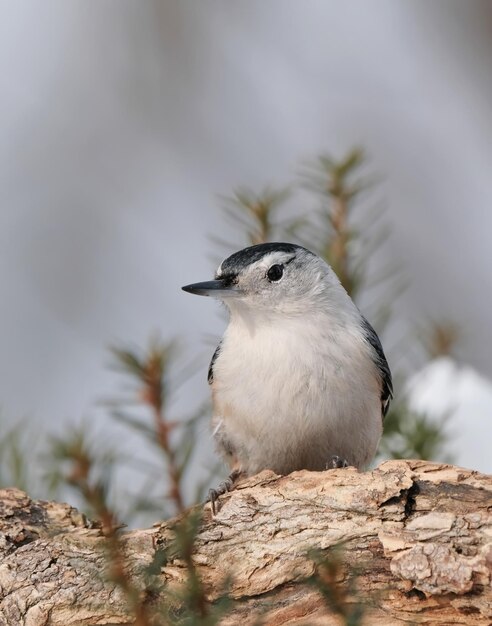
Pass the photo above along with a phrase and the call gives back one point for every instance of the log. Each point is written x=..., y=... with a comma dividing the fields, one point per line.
x=419, y=535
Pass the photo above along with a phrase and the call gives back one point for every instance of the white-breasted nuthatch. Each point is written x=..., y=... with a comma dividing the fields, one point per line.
x=300, y=377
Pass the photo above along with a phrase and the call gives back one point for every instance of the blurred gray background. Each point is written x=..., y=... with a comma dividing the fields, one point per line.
x=120, y=122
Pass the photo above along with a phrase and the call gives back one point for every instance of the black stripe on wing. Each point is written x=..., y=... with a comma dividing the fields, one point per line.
x=212, y=363
x=382, y=365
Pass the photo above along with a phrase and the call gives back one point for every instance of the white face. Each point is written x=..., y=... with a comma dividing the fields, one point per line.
x=283, y=281
x=278, y=280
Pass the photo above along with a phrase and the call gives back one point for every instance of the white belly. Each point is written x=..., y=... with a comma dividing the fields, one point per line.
x=285, y=400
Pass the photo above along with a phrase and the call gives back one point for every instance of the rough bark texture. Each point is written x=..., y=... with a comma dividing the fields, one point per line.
x=419, y=534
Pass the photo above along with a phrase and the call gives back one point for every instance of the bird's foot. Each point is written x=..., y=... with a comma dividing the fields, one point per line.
x=224, y=487
x=336, y=462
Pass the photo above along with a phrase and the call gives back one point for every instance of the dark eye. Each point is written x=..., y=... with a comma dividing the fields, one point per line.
x=275, y=273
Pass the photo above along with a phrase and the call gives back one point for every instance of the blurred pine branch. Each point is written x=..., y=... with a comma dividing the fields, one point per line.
x=19, y=457
x=342, y=600
x=256, y=214
x=174, y=439
x=440, y=337
x=412, y=435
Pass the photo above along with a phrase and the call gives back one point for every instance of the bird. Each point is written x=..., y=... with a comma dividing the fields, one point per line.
x=300, y=379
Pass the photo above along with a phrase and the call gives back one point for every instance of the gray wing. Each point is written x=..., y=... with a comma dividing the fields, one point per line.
x=212, y=363
x=382, y=365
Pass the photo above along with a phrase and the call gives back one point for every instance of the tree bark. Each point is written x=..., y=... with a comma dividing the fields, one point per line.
x=419, y=535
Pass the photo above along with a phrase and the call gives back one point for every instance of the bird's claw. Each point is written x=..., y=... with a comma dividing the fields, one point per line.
x=214, y=494
x=224, y=487
x=336, y=462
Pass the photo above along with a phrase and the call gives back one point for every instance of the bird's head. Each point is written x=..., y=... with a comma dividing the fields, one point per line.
x=276, y=277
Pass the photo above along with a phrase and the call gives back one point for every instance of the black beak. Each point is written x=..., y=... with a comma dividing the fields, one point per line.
x=215, y=288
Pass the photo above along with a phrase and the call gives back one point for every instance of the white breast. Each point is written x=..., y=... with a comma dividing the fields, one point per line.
x=291, y=394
